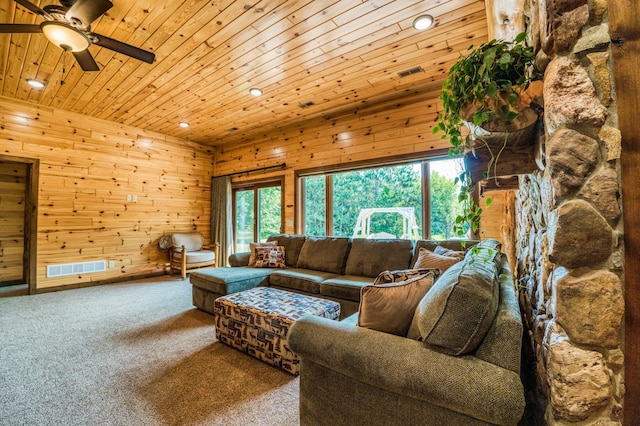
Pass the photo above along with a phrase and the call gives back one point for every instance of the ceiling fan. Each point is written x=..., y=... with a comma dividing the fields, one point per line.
x=69, y=27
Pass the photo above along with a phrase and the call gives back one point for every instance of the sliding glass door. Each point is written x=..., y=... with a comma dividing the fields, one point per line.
x=257, y=210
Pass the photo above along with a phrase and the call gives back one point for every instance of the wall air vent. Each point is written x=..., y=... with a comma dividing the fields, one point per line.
x=76, y=268
x=307, y=104
x=411, y=71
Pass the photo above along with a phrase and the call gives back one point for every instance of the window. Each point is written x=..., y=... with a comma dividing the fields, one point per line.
x=382, y=202
x=257, y=211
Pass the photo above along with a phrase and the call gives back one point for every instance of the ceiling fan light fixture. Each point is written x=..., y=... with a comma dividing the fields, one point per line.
x=183, y=124
x=36, y=84
x=65, y=36
x=255, y=91
x=423, y=22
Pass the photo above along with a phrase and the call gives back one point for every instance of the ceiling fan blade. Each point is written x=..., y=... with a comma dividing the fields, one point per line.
x=125, y=49
x=32, y=7
x=86, y=61
x=87, y=11
x=19, y=28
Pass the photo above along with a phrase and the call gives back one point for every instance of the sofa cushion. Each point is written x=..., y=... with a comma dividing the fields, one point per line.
x=254, y=246
x=299, y=279
x=368, y=258
x=457, y=312
x=196, y=256
x=448, y=252
x=270, y=257
x=458, y=245
x=404, y=275
x=429, y=259
x=229, y=280
x=325, y=254
x=344, y=287
x=390, y=307
x=292, y=245
x=192, y=241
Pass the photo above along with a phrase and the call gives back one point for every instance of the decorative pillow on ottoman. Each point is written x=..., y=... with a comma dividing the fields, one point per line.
x=390, y=307
x=455, y=315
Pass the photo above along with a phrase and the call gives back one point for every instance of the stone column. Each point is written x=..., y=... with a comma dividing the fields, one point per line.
x=569, y=229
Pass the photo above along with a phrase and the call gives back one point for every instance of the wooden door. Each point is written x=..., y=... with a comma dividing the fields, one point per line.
x=18, y=221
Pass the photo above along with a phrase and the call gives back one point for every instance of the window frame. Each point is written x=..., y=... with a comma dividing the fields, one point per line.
x=255, y=186
x=329, y=171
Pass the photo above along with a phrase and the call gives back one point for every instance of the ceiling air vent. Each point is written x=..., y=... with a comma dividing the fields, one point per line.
x=306, y=104
x=408, y=72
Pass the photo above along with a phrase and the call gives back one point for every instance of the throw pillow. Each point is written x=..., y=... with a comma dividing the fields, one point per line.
x=252, y=250
x=403, y=275
x=430, y=260
x=269, y=257
x=448, y=252
x=390, y=307
x=456, y=314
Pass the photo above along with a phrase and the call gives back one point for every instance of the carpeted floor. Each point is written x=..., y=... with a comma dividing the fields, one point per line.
x=135, y=353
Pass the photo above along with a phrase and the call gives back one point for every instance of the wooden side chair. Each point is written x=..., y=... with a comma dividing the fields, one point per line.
x=188, y=252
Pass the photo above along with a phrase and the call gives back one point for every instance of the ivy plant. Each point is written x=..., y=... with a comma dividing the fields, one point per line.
x=480, y=87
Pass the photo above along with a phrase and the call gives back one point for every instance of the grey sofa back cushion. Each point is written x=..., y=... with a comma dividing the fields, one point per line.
x=503, y=342
x=367, y=258
x=292, y=245
x=458, y=311
x=323, y=254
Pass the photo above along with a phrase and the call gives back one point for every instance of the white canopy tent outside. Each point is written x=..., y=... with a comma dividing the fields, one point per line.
x=409, y=224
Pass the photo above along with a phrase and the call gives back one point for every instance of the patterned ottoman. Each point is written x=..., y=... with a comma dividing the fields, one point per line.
x=257, y=322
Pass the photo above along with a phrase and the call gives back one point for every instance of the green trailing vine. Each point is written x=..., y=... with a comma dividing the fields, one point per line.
x=482, y=86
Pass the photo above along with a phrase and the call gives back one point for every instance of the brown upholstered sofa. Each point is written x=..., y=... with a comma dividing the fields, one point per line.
x=458, y=365
x=444, y=372
x=333, y=268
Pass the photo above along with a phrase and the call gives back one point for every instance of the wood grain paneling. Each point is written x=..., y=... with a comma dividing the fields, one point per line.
x=12, y=209
x=209, y=53
x=624, y=22
x=401, y=130
x=88, y=168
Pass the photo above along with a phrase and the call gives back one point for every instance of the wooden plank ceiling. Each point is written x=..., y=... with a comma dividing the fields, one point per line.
x=337, y=54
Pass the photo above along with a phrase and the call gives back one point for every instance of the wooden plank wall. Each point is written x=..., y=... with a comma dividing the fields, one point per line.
x=499, y=221
x=88, y=168
x=381, y=132
x=624, y=18
x=12, y=206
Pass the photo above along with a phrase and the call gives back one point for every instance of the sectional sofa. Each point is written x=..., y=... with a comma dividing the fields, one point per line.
x=458, y=364
x=333, y=268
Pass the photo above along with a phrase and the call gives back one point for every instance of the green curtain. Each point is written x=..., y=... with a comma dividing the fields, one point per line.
x=221, y=217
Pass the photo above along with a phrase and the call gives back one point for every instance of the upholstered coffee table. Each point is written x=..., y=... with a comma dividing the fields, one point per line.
x=257, y=322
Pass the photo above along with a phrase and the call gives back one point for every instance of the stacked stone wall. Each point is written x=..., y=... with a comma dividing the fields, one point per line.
x=569, y=221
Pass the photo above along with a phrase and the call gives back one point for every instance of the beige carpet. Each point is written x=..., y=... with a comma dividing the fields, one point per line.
x=135, y=353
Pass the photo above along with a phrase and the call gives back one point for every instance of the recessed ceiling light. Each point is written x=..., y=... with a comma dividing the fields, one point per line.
x=36, y=84
x=183, y=124
x=422, y=22
x=255, y=91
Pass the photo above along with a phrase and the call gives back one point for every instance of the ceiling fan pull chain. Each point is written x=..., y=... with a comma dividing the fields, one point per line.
x=64, y=65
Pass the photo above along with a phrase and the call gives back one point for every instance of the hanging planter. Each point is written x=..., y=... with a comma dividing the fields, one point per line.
x=491, y=91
